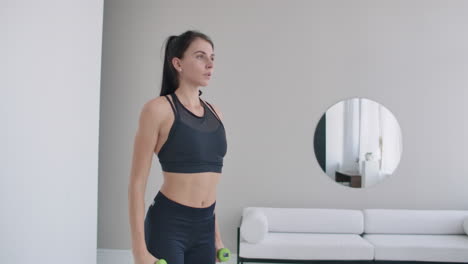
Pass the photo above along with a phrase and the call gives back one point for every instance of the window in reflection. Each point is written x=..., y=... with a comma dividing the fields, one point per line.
x=358, y=142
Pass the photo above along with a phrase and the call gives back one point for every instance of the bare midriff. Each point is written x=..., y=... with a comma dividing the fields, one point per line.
x=191, y=189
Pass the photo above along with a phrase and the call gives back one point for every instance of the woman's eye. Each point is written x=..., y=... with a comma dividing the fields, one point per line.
x=202, y=56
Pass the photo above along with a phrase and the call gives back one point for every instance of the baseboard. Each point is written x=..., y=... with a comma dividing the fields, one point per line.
x=122, y=256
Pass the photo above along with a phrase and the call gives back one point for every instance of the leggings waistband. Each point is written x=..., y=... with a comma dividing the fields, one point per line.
x=172, y=207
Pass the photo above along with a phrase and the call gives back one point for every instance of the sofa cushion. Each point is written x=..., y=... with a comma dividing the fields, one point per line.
x=307, y=246
x=254, y=226
x=445, y=248
x=411, y=221
x=313, y=220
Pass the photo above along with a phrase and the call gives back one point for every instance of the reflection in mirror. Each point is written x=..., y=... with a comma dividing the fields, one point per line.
x=358, y=142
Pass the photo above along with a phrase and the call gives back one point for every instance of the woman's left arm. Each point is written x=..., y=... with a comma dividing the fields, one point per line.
x=218, y=241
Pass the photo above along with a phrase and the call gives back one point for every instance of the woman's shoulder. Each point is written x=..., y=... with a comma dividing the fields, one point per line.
x=157, y=107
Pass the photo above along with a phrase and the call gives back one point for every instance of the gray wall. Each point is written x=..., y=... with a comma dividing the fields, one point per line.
x=279, y=66
x=50, y=73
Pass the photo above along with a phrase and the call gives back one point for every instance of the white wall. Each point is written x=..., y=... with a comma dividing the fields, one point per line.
x=279, y=66
x=49, y=110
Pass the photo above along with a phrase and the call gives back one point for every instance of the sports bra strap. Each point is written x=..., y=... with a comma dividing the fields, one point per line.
x=172, y=104
x=213, y=111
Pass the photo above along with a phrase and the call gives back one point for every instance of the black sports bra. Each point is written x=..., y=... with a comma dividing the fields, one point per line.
x=195, y=143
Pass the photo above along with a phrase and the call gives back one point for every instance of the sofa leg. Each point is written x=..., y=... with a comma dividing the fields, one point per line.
x=238, y=247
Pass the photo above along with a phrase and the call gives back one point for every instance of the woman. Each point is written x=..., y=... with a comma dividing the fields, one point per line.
x=187, y=135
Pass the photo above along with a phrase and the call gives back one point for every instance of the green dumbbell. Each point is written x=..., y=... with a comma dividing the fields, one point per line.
x=161, y=261
x=224, y=254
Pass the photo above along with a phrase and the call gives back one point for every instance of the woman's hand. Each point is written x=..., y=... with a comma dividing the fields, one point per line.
x=218, y=245
x=145, y=258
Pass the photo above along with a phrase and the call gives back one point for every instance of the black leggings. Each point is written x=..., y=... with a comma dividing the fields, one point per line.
x=179, y=233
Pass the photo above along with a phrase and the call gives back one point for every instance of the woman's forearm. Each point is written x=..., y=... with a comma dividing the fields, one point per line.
x=218, y=239
x=136, y=206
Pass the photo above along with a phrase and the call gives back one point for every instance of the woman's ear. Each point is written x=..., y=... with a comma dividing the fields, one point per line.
x=176, y=64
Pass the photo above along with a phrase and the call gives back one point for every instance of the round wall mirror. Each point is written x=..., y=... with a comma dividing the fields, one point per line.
x=358, y=143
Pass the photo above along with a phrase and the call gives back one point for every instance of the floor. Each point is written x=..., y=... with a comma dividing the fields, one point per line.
x=115, y=256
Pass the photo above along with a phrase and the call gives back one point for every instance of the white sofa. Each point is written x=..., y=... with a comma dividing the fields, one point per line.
x=311, y=235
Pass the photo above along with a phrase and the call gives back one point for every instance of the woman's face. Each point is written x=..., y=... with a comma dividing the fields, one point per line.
x=197, y=64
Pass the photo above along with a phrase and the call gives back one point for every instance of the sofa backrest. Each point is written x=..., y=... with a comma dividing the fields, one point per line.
x=410, y=221
x=312, y=220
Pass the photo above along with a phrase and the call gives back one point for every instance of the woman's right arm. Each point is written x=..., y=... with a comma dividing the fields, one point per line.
x=143, y=150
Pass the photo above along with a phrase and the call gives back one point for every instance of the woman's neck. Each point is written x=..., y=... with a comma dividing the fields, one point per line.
x=190, y=97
